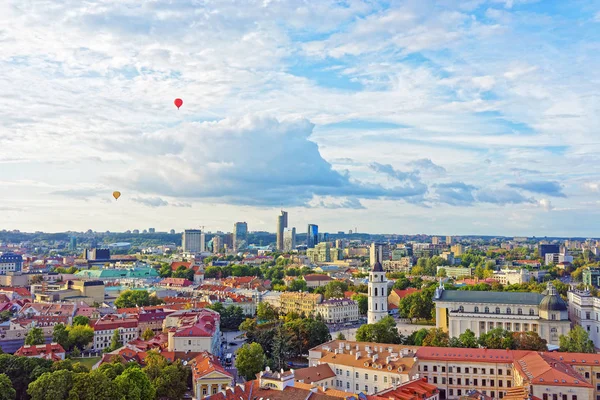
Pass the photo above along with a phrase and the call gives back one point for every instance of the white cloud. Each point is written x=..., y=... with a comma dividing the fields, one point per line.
x=546, y=204
x=592, y=186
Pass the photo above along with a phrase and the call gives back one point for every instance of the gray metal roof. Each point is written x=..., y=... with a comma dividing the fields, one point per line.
x=470, y=296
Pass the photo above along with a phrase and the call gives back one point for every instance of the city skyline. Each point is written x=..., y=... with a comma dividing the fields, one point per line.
x=396, y=117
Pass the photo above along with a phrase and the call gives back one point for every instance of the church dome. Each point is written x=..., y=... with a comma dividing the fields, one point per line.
x=377, y=267
x=552, y=301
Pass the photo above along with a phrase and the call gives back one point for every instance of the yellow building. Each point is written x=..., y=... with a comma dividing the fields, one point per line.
x=208, y=376
x=89, y=292
x=299, y=302
x=457, y=249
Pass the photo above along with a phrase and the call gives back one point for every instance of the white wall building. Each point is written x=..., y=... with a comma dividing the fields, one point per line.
x=584, y=310
x=335, y=311
x=378, y=304
x=512, y=276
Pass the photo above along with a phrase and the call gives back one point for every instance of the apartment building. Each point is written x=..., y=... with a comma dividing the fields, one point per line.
x=335, y=311
x=584, y=310
x=365, y=367
x=299, y=302
x=105, y=327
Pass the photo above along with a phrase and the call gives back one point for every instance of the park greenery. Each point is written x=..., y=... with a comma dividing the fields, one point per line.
x=26, y=378
x=136, y=298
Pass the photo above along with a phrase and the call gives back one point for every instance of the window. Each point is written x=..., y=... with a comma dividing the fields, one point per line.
x=474, y=370
x=483, y=371
x=531, y=312
x=491, y=382
x=554, y=316
x=375, y=291
x=508, y=384
x=497, y=310
x=357, y=375
x=458, y=370
x=189, y=342
x=357, y=387
x=466, y=370
x=451, y=392
x=375, y=389
x=366, y=388
x=587, y=375
x=458, y=381
x=443, y=369
x=435, y=379
x=461, y=309
x=347, y=385
x=375, y=378
x=443, y=380
x=376, y=305
x=367, y=375
x=214, y=391
x=487, y=310
x=425, y=368
x=499, y=382
x=587, y=315
x=348, y=373
x=508, y=311
x=545, y=396
x=491, y=372
x=435, y=368
x=520, y=311
x=459, y=392
x=450, y=381
x=476, y=309
x=204, y=392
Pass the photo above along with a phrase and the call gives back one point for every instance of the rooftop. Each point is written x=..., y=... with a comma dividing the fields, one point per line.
x=467, y=296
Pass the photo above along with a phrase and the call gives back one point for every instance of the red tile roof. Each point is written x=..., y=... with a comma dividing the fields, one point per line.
x=204, y=364
x=413, y=390
x=471, y=355
x=317, y=278
x=541, y=369
x=49, y=351
x=403, y=293
x=178, y=282
x=314, y=374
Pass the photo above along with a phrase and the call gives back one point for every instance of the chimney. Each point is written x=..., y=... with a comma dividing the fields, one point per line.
x=357, y=355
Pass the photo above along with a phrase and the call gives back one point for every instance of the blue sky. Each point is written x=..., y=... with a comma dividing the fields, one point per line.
x=441, y=117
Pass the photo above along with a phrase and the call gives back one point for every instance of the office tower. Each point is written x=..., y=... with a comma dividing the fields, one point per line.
x=191, y=241
x=548, y=248
x=227, y=240
x=449, y=240
x=240, y=235
x=380, y=252
x=202, y=242
x=289, y=239
x=323, y=237
x=73, y=243
x=378, y=299
x=282, y=223
x=312, y=237
x=435, y=240
x=217, y=244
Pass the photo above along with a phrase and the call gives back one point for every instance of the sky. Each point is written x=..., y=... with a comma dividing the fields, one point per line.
x=439, y=117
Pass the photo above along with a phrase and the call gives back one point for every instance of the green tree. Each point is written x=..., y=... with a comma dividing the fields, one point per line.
x=576, y=341
x=467, y=339
x=497, y=338
x=148, y=334
x=266, y=312
x=134, y=384
x=60, y=335
x=136, y=298
x=442, y=273
x=35, y=336
x=297, y=285
x=112, y=369
x=436, y=337
x=384, y=331
x=402, y=282
x=93, y=386
x=115, y=342
x=340, y=336
x=529, y=341
x=80, y=336
x=81, y=320
x=363, y=303
x=52, y=385
x=281, y=347
x=250, y=360
x=7, y=392
x=5, y=316
x=335, y=289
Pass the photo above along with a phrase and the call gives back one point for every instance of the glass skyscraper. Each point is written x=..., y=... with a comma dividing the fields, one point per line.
x=312, y=237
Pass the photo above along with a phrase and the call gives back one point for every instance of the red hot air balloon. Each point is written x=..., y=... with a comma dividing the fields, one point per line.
x=178, y=103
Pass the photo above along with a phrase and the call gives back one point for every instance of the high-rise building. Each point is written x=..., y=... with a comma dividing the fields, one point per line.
x=320, y=253
x=380, y=252
x=282, y=223
x=312, y=237
x=217, y=244
x=192, y=241
x=10, y=262
x=457, y=249
x=378, y=299
x=240, y=235
x=289, y=239
x=228, y=240
x=323, y=237
x=548, y=248
x=202, y=242
x=449, y=240
x=435, y=240
x=339, y=244
x=73, y=243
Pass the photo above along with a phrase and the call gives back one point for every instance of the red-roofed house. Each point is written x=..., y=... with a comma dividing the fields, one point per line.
x=194, y=331
x=208, y=375
x=417, y=389
x=52, y=351
x=176, y=282
x=396, y=295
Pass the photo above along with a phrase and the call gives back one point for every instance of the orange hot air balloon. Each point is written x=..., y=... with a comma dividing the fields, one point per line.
x=116, y=195
x=178, y=103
